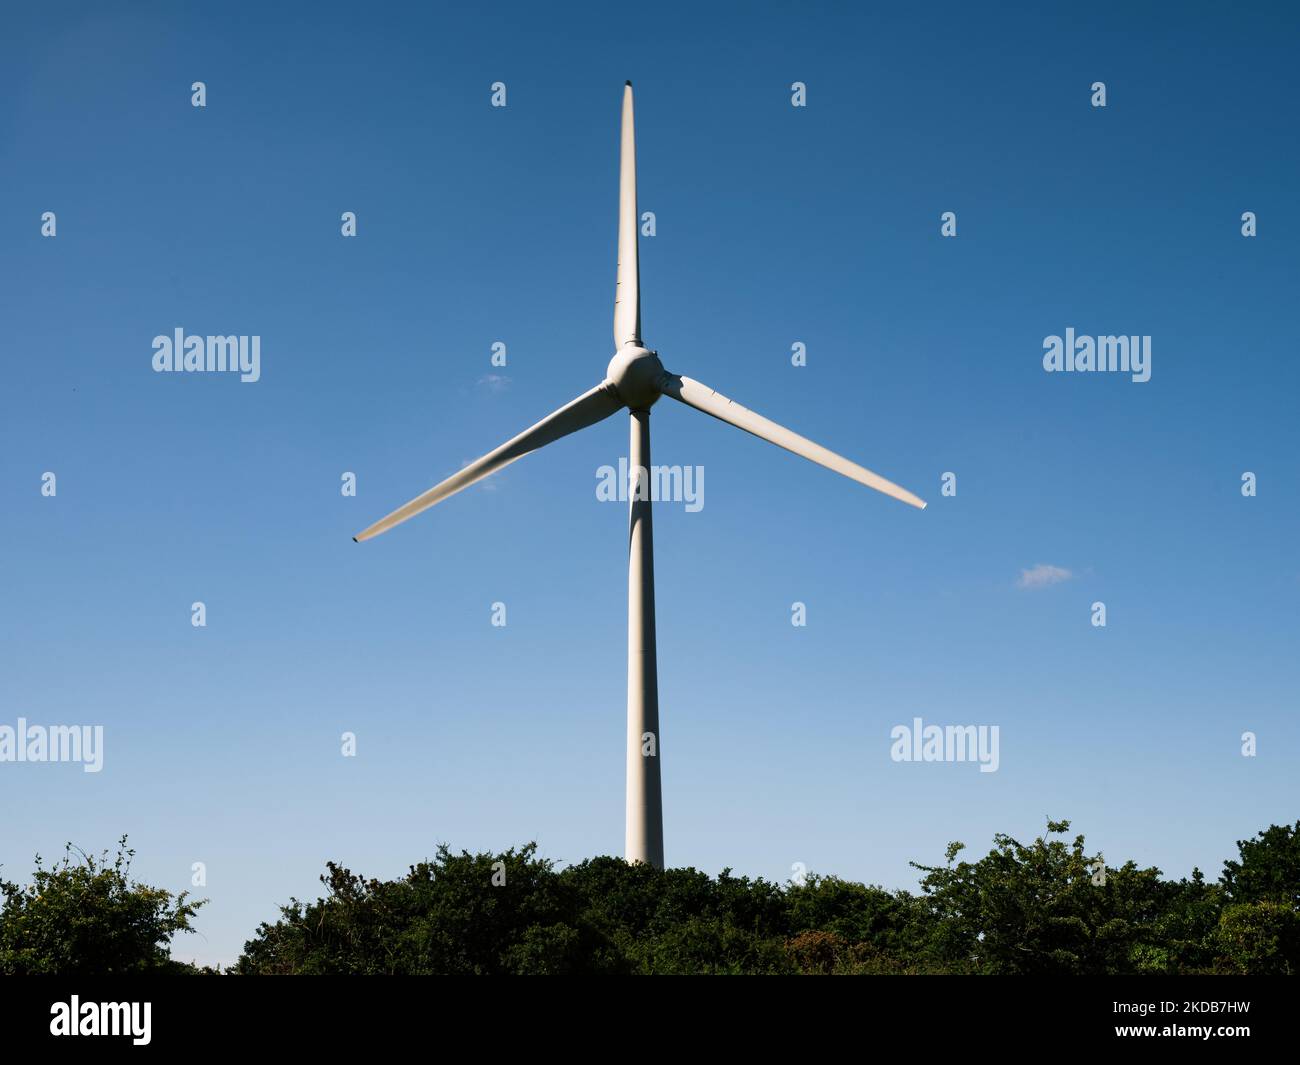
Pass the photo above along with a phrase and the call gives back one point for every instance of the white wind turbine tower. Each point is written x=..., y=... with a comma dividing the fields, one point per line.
x=635, y=379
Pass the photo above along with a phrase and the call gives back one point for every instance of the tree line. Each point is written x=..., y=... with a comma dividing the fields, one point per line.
x=1046, y=907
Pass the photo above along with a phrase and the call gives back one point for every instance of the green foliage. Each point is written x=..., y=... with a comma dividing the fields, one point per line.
x=1261, y=937
x=675, y=921
x=1182, y=936
x=458, y=914
x=1258, y=930
x=1042, y=908
x=1269, y=869
x=852, y=911
x=88, y=917
x=1039, y=908
x=1049, y=907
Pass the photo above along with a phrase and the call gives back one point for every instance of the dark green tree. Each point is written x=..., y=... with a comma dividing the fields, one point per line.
x=1268, y=869
x=1182, y=938
x=1260, y=938
x=674, y=921
x=1259, y=931
x=87, y=917
x=1042, y=908
x=1047, y=907
x=457, y=914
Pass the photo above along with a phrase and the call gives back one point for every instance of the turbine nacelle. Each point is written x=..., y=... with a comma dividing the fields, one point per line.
x=636, y=375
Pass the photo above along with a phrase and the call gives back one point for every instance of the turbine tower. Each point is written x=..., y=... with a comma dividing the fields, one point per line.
x=635, y=379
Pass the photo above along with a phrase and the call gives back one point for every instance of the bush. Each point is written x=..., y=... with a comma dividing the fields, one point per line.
x=87, y=917
x=1261, y=938
x=467, y=914
x=1045, y=907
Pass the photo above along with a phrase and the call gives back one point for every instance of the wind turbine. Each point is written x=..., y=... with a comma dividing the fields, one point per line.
x=635, y=379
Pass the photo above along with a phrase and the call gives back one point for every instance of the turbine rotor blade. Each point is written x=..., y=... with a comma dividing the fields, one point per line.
x=702, y=398
x=627, y=291
x=589, y=408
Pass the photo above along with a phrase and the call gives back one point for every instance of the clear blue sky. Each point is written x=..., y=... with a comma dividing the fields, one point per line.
x=775, y=225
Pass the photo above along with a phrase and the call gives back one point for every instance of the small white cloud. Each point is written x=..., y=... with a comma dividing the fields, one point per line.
x=493, y=382
x=1042, y=576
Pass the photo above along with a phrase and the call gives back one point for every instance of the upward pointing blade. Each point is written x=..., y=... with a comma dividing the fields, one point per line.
x=587, y=409
x=627, y=293
x=702, y=398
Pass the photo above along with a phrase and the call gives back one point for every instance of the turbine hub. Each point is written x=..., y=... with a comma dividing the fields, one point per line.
x=635, y=374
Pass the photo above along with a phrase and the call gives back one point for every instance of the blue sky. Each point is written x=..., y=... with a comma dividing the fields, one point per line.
x=775, y=224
